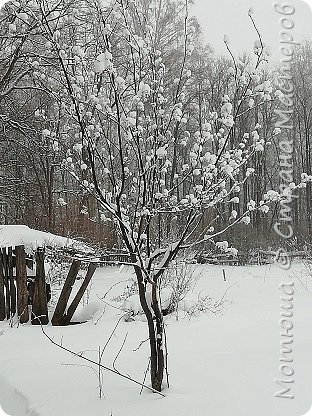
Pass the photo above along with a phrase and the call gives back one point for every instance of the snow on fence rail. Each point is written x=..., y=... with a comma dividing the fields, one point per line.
x=258, y=257
x=27, y=296
x=111, y=259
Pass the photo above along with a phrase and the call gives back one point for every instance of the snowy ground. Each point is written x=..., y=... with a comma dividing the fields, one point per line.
x=221, y=365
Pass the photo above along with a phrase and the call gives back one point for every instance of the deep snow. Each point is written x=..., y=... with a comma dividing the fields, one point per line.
x=14, y=235
x=222, y=365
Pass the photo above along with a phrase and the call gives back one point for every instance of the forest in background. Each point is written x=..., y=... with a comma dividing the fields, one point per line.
x=36, y=135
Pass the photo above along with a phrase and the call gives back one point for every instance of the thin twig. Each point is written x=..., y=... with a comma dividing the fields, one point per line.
x=119, y=351
x=145, y=374
x=101, y=365
x=141, y=343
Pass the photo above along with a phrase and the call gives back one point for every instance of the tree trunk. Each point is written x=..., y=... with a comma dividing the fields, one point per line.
x=155, y=330
x=21, y=283
x=157, y=382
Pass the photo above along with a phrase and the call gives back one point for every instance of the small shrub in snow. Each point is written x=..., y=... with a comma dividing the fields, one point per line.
x=203, y=304
x=178, y=281
x=130, y=290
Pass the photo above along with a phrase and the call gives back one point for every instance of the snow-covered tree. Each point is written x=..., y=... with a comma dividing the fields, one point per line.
x=151, y=153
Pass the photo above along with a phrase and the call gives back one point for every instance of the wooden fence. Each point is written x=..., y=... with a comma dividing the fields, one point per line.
x=254, y=257
x=112, y=259
x=27, y=296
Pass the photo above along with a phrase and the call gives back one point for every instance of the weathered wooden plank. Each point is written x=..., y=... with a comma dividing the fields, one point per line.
x=40, y=305
x=21, y=284
x=73, y=306
x=66, y=291
x=6, y=283
x=11, y=281
x=2, y=295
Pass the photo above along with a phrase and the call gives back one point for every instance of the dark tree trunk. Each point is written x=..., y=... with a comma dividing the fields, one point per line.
x=66, y=291
x=157, y=381
x=155, y=330
x=21, y=283
x=39, y=305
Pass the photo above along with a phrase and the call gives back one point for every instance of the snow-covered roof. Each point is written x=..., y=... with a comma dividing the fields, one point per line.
x=15, y=235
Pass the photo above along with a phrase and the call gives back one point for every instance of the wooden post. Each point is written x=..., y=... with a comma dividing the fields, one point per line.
x=6, y=283
x=21, y=284
x=11, y=281
x=73, y=306
x=66, y=291
x=2, y=296
x=40, y=304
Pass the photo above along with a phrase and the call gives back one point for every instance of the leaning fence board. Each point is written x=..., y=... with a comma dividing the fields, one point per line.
x=2, y=296
x=73, y=306
x=66, y=291
x=40, y=305
x=6, y=283
x=21, y=284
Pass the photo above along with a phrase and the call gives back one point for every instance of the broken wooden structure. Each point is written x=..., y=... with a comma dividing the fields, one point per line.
x=253, y=257
x=27, y=296
x=223, y=259
x=114, y=259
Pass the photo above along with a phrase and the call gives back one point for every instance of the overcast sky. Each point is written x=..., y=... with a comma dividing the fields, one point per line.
x=230, y=17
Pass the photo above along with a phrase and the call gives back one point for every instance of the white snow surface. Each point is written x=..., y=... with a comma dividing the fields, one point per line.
x=14, y=235
x=221, y=365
